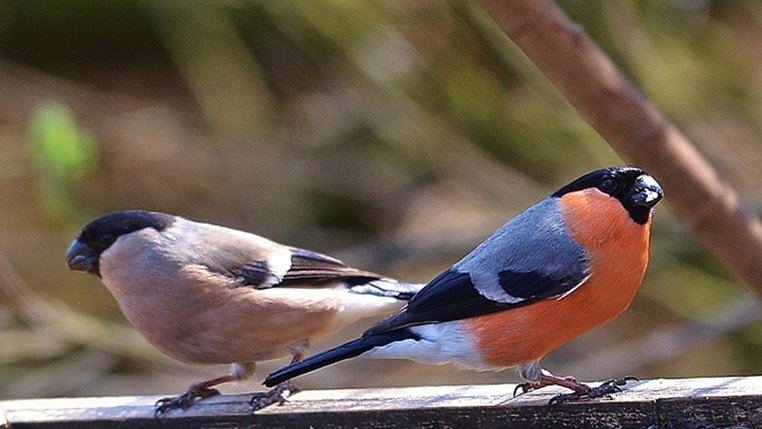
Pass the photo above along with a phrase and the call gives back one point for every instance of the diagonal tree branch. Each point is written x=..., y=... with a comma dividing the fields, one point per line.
x=637, y=130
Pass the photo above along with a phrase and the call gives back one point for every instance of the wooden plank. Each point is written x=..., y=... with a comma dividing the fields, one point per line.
x=661, y=403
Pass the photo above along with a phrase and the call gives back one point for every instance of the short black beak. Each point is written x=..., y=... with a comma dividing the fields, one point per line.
x=79, y=257
x=647, y=192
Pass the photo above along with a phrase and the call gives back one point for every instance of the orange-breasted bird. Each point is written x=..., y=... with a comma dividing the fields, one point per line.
x=206, y=294
x=562, y=267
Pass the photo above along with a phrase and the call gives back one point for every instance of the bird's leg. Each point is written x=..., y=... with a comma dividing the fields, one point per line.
x=541, y=378
x=544, y=381
x=582, y=391
x=203, y=390
x=533, y=373
x=280, y=393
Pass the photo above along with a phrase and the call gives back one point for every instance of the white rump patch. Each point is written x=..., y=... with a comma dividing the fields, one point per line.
x=278, y=265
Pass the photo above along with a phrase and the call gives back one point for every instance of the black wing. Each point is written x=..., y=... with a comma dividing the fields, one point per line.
x=453, y=296
x=312, y=267
x=307, y=268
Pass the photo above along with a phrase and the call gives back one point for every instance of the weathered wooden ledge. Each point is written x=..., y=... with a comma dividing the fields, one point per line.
x=662, y=403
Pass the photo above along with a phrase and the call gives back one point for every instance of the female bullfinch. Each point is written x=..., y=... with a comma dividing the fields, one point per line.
x=560, y=268
x=206, y=294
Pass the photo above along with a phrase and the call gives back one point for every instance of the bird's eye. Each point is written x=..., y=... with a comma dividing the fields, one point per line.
x=608, y=185
x=105, y=240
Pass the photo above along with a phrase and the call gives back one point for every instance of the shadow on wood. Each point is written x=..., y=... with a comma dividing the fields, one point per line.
x=662, y=403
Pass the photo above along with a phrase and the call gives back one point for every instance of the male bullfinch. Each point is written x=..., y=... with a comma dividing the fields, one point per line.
x=206, y=294
x=563, y=266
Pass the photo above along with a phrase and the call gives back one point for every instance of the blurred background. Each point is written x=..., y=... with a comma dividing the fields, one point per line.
x=394, y=135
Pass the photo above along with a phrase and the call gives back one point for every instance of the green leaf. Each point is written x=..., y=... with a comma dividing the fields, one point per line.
x=61, y=146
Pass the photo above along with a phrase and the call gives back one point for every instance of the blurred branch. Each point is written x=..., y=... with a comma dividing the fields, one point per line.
x=637, y=130
x=62, y=377
x=73, y=326
x=226, y=80
x=19, y=299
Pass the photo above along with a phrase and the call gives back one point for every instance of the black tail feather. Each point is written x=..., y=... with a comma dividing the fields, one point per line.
x=337, y=354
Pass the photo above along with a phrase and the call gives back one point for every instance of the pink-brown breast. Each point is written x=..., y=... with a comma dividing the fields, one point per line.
x=618, y=250
x=196, y=316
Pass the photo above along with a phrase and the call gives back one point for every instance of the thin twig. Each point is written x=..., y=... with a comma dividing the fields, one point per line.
x=637, y=130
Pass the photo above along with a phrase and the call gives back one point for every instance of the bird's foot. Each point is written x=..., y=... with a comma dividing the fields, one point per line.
x=278, y=394
x=528, y=387
x=194, y=394
x=583, y=391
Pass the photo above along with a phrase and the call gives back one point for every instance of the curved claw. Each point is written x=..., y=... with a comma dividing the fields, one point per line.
x=623, y=380
x=277, y=395
x=524, y=387
x=183, y=401
x=614, y=384
x=170, y=403
x=566, y=397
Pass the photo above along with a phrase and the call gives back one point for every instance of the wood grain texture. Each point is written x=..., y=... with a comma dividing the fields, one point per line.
x=663, y=403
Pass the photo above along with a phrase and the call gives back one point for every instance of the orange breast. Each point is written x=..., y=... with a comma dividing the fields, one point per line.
x=618, y=249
